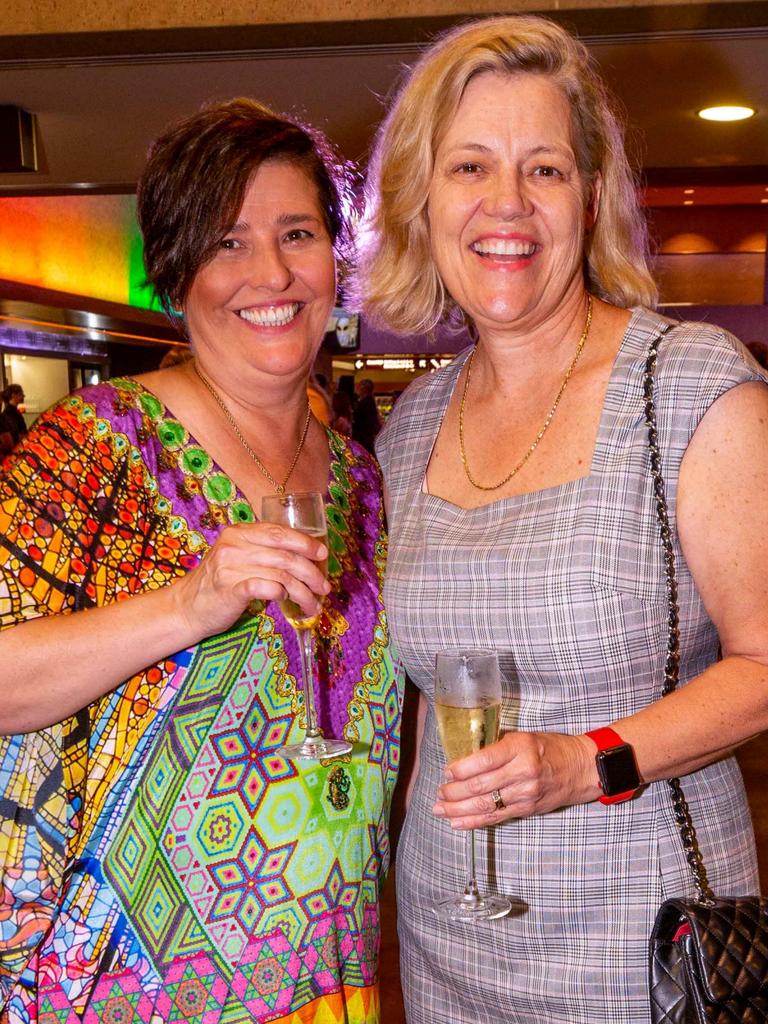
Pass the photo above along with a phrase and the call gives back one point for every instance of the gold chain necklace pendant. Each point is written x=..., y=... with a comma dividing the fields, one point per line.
x=535, y=444
x=279, y=487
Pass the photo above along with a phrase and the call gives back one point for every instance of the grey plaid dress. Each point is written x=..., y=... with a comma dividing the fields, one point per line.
x=568, y=585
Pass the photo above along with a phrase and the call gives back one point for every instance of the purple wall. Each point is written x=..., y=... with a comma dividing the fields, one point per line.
x=749, y=323
x=375, y=341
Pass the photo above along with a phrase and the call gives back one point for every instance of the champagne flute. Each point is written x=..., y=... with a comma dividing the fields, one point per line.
x=304, y=512
x=467, y=702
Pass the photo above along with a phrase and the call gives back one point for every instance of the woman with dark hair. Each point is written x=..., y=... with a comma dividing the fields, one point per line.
x=523, y=518
x=161, y=860
x=12, y=398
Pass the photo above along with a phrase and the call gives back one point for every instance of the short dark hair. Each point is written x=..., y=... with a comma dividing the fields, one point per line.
x=196, y=175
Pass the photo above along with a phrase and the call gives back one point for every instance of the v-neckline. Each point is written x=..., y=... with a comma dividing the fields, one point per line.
x=166, y=415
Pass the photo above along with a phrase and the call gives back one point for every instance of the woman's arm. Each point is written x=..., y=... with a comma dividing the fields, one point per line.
x=56, y=665
x=723, y=495
x=417, y=735
x=411, y=734
x=722, y=498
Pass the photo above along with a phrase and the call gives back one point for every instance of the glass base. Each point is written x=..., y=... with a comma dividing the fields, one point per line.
x=315, y=748
x=472, y=908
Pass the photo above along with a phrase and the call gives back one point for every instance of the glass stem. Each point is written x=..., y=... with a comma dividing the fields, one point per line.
x=471, y=893
x=305, y=648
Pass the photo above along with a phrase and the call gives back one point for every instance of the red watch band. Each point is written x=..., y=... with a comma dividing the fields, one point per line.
x=605, y=738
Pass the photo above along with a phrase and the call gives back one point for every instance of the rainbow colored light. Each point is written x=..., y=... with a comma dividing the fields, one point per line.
x=88, y=245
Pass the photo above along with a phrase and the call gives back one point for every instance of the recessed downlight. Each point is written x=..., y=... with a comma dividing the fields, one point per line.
x=726, y=113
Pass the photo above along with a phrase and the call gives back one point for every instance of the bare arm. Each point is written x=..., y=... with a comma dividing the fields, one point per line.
x=418, y=735
x=723, y=492
x=55, y=665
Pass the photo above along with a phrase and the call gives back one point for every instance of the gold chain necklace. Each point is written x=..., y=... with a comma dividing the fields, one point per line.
x=280, y=488
x=547, y=421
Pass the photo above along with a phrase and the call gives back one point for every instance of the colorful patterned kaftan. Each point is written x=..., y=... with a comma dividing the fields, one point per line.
x=159, y=860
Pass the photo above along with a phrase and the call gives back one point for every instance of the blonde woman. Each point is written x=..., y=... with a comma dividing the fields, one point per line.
x=522, y=519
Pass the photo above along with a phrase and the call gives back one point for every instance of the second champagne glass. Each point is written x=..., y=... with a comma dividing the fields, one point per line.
x=304, y=512
x=468, y=702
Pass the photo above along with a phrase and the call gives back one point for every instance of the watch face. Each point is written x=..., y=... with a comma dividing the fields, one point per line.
x=617, y=770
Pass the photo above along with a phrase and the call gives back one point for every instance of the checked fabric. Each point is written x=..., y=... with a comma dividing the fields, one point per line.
x=567, y=583
x=159, y=861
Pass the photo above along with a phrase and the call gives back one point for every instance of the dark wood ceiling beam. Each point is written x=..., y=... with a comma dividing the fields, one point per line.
x=690, y=177
x=594, y=23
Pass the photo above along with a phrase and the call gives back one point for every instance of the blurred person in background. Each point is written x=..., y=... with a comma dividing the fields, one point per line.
x=13, y=409
x=319, y=402
x=342, y=413
x=366, y=422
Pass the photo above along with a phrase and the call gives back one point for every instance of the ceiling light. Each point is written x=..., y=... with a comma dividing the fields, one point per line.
x=687, y=202
x=688, y=191
x=726, y=113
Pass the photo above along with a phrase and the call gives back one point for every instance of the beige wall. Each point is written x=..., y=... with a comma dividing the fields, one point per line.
x=22, y=17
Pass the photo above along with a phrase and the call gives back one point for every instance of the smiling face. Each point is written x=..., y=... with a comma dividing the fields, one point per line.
x=260, y=306
x=506, y=205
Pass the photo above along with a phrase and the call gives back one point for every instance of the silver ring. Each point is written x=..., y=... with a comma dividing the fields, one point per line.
x=496, y=797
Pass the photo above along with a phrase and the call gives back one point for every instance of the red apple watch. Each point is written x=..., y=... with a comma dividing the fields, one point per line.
x=616, y=766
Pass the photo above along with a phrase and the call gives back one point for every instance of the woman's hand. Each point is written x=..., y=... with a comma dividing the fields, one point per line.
x=57, y=664
x=259, y=561
x=534, y=773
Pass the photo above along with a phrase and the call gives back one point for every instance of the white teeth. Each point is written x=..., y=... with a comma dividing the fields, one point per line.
x=270, y=316
x=504, y=247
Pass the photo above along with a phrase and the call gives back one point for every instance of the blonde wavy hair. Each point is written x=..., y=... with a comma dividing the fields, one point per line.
x=397, y=282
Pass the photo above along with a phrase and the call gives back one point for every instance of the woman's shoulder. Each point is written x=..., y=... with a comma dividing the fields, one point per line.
x=118, y=416
x=120, y=404
x=698, y=350
x=86, y=435
x=427, y=394
x=697, y=364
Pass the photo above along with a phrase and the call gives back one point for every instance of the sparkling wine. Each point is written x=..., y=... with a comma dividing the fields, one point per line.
x=292, y=612
x=466, y=730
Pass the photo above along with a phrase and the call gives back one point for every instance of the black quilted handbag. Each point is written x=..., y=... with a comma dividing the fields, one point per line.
x=708, y=956
x=709, y=962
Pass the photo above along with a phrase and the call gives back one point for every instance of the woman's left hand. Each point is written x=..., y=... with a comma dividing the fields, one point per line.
x=534, y=773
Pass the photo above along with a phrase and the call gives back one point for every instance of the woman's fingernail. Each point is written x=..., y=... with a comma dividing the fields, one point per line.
x=448, y=775
x=438, y=810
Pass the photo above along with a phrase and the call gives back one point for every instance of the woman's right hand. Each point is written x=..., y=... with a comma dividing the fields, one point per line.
x=251, y=561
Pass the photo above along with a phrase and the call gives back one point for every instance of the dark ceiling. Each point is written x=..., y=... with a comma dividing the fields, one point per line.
x=99, y=100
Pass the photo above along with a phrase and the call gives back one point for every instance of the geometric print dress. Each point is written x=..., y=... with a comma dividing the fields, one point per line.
x=159, y=861
x=568, y=585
